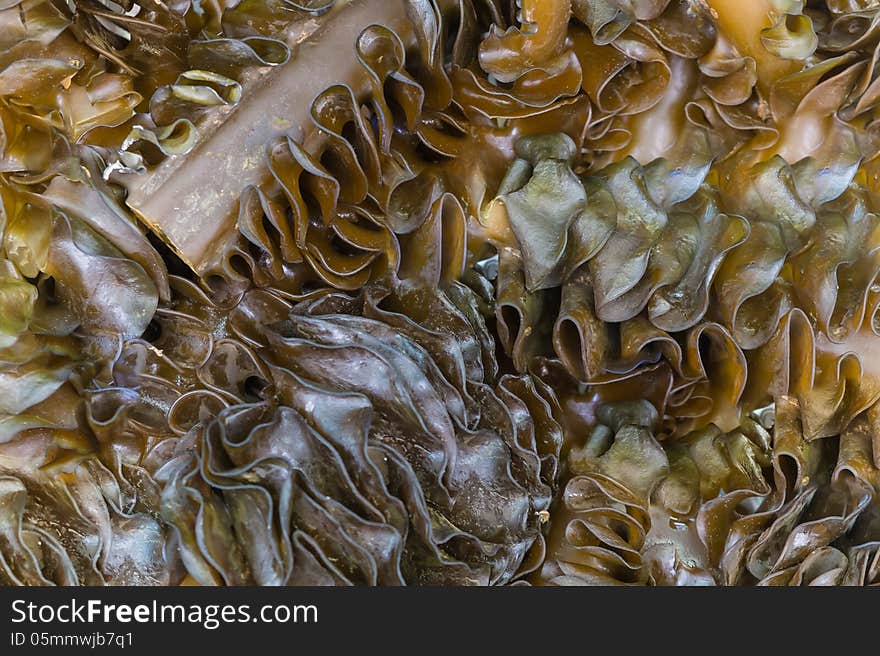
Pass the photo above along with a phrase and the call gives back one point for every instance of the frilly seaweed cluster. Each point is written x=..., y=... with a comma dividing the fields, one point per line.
x=572, y=292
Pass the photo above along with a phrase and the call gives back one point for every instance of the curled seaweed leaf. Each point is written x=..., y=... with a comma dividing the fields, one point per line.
x=75, y=529
x=792, y=37
x=434, y=473
x=507, y=56
x=730, y=523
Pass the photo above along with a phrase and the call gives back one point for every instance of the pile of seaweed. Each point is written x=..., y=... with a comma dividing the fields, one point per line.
x=566, y=292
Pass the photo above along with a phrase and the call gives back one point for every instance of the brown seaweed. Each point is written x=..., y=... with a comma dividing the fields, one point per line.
x=439, y=292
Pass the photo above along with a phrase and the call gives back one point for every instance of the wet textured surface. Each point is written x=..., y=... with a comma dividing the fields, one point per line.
x=439, y=292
